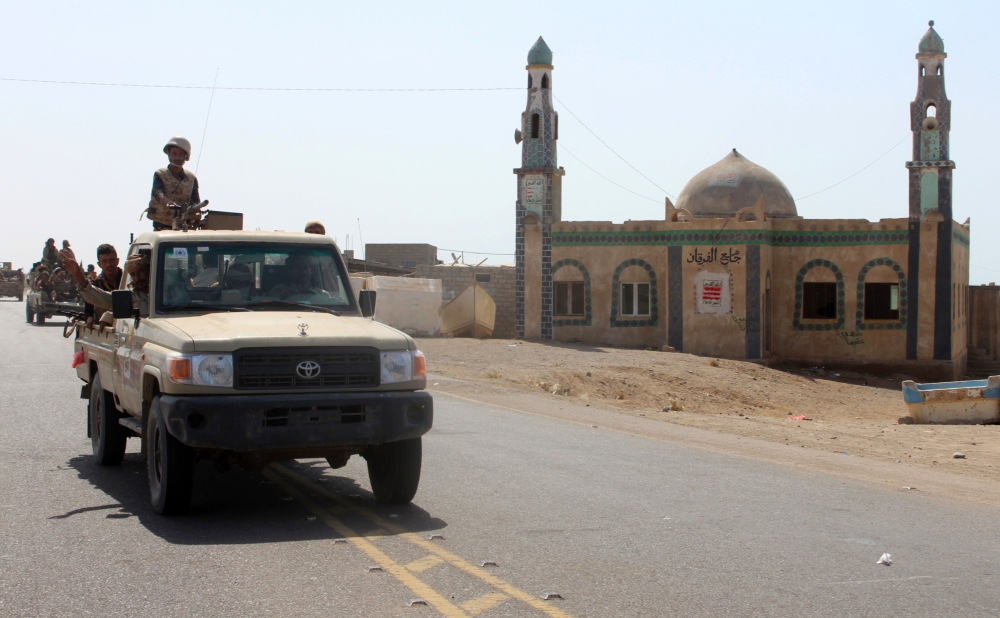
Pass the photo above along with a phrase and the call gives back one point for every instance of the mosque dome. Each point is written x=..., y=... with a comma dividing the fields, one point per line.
x=735, y=182
x=931, y=41
x=540, y=53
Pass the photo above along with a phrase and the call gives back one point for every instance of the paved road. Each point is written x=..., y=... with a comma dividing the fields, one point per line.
x=617, y=525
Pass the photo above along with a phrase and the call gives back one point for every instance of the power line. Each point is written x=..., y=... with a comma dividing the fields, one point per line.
x=984, y=268
x=474, y=252
x=610, y=148
x=563, y=147
x=169, y=86
x=799, y=199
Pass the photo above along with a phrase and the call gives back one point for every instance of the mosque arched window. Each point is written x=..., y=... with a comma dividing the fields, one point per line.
x=940, y=69
x=535, y=122
x=931, y=111
x=555, y=127
x=923, y=72
x=545, y=81
x=529, y=80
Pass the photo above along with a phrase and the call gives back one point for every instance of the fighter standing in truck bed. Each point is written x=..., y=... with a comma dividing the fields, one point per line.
x=172, y=185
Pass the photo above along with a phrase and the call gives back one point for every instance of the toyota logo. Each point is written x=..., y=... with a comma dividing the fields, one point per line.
x=307, y=370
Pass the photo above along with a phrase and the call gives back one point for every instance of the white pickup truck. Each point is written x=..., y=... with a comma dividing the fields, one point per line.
x=255, y=349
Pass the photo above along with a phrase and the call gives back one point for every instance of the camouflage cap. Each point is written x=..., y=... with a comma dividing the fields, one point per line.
x=136, y=262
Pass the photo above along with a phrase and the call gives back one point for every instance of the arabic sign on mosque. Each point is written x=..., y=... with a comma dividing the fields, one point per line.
x=726, y=177
x=712, y=293
x=534, y=194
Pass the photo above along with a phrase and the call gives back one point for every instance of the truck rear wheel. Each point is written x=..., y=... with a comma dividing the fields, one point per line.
x=394, y=470
x=107, y=437
x=28, y=313
x=170, y=465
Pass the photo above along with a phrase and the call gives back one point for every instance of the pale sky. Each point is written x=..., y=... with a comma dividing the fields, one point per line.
x=812, y=91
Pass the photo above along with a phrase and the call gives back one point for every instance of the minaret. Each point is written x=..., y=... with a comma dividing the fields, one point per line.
x=539, y=195
x=930, y=174
x=930, y=121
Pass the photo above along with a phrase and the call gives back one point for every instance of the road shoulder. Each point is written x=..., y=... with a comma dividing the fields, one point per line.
x=887, y=475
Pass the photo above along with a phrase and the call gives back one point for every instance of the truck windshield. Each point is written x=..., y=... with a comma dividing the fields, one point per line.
x=203, y=275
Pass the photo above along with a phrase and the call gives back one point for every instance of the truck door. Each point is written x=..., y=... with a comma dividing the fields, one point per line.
x=128, y=357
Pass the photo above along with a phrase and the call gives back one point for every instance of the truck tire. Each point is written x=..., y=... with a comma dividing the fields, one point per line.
x=39, y=318
x=29, y=313
x=107, y=437
x=170, y=465
x=394, y=470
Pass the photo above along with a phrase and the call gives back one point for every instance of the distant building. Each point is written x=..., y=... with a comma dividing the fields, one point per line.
x=733, y=271
x=404, y=255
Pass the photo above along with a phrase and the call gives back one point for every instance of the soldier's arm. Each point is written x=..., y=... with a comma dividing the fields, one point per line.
x=96, y=296
x=195, y=195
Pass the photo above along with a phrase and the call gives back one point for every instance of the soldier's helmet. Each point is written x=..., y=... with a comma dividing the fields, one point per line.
x=179, y=142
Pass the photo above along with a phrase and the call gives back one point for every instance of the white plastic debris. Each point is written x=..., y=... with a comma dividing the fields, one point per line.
x=886, y=559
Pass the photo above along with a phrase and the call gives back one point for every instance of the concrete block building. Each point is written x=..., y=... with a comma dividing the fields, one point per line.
x=733, y=271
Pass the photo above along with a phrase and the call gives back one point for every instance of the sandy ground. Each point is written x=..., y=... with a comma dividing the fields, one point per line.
x=847, y=412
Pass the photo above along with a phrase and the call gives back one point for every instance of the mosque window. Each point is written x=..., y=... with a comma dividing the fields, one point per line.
x=635, y=299
x=819, y=301
x=545, y=81
x=529, y=80
x=569, y=298
x=881, y=301
x=555, y=127
x=931, y=111
x=535, y=121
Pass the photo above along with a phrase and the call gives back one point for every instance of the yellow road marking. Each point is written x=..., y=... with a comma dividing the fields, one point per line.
x=436, y=600
x=449, y=557
x=427, y=562
x=484, y=603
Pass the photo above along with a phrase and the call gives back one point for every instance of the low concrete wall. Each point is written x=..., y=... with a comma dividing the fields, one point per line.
x=408, y=304
x=498, y=281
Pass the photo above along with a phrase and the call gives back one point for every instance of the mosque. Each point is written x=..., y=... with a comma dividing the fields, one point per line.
x=733, y=271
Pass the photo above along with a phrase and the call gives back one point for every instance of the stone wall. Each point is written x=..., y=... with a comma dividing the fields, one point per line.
x=402, y=254
x=498, y=281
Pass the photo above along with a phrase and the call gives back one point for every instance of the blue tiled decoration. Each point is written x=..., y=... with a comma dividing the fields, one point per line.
x=903, y=301
x=654, y=312
x=587, y=313
x=800, y=278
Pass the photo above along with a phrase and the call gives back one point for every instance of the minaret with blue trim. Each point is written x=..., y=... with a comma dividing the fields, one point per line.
x=539, y=192
x=930, y=183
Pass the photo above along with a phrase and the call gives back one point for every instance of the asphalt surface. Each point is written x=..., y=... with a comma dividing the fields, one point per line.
x=617, y=525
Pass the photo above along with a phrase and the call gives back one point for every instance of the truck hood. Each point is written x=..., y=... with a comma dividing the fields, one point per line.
x=225, y=332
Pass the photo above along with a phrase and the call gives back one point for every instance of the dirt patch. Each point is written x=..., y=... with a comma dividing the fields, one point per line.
x=848, y=412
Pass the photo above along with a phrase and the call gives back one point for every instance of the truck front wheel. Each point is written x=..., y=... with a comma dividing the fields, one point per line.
x=107, y=437
x=39, y=318
x=394, y=470
x=170, y=465
x=29, y=313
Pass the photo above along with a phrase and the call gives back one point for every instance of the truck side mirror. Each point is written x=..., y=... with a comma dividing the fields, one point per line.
x=367, y=301
x=121, y=304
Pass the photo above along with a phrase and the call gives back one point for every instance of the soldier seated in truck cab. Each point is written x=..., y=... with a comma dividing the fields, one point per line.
x=238, y=282
x=298, y=280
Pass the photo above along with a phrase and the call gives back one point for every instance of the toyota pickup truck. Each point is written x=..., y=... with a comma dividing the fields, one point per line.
x=253, y=349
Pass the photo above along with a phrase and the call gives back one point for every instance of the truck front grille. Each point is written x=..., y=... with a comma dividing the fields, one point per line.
x=279, y=368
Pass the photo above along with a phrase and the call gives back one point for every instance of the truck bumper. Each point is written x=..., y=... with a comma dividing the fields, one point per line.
x=307, y=423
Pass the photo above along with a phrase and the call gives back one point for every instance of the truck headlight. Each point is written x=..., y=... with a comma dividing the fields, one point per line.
x=213, y=369
x=201, y=369
x=399, y=366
